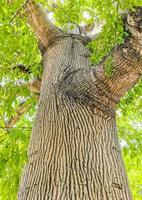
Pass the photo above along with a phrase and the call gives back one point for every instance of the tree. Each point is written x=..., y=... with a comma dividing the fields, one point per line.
x=74, y=148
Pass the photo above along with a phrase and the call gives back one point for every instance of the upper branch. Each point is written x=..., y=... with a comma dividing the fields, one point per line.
x=126, y=59
x=44, y=30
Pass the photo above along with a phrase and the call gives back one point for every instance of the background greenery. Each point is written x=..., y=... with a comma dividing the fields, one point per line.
x=18, y=46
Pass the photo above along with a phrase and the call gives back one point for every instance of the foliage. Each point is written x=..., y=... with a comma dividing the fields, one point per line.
x=18, y=46
x=129, y=120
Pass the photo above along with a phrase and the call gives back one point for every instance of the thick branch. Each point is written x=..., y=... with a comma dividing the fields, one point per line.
x=126, y=59
x=126, y=71
x=42, y=27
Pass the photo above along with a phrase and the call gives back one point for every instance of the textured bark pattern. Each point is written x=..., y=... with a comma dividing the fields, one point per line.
x=74, y=151
x=126, y=70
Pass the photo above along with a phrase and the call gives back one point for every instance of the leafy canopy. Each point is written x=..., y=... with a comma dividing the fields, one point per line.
x=19, y=47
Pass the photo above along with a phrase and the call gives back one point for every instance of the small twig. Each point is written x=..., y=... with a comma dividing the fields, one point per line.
x=4, y=124
x=23, y=107
x=18, y=11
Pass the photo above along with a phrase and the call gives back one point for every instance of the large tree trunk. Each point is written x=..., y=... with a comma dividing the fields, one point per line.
x=74, y=150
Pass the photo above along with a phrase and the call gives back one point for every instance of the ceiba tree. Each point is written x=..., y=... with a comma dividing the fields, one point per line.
x=74, y=151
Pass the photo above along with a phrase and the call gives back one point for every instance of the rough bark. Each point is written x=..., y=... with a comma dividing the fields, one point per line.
x=74, y=151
